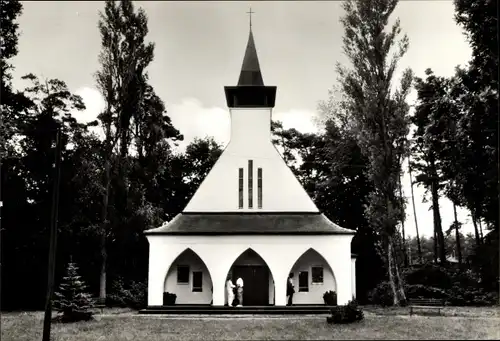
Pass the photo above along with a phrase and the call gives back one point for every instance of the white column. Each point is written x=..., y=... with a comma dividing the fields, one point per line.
x=217, y=269
x=280, y=292
x=344, y=286
x=156, y=276
x=353, y=276
x=279, y=272
x=340, y=263
x=219, y=294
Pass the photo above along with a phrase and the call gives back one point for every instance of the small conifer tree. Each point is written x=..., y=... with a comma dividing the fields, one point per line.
x=72, y=301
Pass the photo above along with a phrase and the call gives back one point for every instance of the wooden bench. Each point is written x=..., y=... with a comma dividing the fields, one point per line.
x=426, y=303
x=99, y=303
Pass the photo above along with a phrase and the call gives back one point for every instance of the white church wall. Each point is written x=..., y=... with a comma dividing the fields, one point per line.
x=250, y=140
x=184, y=291
x=315, y=292
x=279, y=252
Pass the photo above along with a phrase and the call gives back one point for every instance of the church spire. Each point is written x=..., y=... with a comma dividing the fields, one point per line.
x=250, y=70
x=250, y=91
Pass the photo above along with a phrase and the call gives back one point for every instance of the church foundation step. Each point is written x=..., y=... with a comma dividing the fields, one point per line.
x=253, y=310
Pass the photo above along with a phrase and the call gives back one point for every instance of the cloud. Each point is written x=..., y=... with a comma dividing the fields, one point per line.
x=192, y=119
x=94, y=105
x=302, y=120
x=195, y=120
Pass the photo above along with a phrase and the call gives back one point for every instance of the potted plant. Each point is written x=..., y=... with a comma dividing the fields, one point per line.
x=169, y=298
x=330, y=298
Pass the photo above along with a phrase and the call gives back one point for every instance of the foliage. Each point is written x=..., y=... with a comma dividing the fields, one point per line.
x=429, y=275
x=382, y=295
x=431, y=120
x=132, y=294
x=11, y=102
x=423, y=291
x=475, y=93
x=348, y=313
x=72, y=301
x=379, y=115
x=332, y=169
x=330, y=297
x=455, y=286
x=469, y=296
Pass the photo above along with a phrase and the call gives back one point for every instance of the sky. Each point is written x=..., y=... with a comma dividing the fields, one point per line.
x=199, y=49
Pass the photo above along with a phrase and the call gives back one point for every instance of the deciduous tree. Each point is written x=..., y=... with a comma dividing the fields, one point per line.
x=379, y=114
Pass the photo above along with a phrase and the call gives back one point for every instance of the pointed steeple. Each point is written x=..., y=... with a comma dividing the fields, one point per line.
x=250, y=69
x=250, y=91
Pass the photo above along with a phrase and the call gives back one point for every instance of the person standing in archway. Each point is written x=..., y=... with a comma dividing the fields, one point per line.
x=239, y=286
x=230, y=291
x=290, y=289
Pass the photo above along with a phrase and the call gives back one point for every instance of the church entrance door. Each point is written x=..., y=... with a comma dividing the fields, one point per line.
x=255, y=284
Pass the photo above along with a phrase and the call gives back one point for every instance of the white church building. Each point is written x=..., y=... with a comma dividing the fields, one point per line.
x=250, y=218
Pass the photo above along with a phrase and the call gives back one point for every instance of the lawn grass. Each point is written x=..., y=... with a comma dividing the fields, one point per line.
x=493, y=311
x=124, y=327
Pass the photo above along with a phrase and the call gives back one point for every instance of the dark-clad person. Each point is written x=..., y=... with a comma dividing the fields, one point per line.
x=290, y=289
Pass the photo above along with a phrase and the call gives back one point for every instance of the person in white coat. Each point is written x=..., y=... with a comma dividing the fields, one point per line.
x=230, y=291
x=239, y=285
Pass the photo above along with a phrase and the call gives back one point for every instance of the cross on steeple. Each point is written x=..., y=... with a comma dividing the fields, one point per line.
x=250, y=14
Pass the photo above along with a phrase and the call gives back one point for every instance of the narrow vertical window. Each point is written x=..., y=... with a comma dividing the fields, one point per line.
x=303, y=281
x=259, y=187
x=240, y=188
x=250, y=183
x=197, y=281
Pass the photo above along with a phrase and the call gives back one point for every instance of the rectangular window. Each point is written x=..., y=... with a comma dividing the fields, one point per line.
x=303, y=281
x=182, y=274
x=197, y=281
x=317, y=274
x=240, y=188
x=259, y=187
x=250, y=183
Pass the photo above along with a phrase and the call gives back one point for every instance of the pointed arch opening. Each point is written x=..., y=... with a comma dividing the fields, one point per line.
x=312, y=277
x=258, y=280
x=189, y=279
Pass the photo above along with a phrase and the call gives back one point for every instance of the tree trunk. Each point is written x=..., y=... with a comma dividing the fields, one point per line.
x=415, y=214
x=481, y=231
x=400, y=287
x=437, y=222
x=476, y=231
x=103, y=231
x=405, y=254
x=435, y=246
x=390, y=261
x=457, y=233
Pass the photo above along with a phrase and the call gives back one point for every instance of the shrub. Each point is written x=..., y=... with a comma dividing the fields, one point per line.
x=430, y=275
x=470, y=296
x=169, y=298
x=422, y=291
x=382, y=295
x=457, y=295
x=132, y=295
x=346, y=313
x=72, y=301
x=330, y=297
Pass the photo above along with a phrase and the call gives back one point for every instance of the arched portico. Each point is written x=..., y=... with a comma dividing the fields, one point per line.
x=258, y=280
x=189, y=278
x=312, y=277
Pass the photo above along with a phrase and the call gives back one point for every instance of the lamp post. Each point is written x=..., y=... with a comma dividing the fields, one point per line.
x=53, y=239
